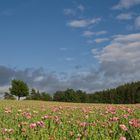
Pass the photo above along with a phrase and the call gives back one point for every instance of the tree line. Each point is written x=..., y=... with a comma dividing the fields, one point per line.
x=125, y=94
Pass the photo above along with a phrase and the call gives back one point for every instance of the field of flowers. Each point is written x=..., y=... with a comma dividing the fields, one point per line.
x=36, y=120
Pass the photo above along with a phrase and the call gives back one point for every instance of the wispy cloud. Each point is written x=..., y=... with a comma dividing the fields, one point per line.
x=83, y=22
x=74, y=11
x=63, y=49
x=125, y=4
x=90, y=33
x=100, y=40
x=81, y=7
x=69, y=59
x=125, y=16
x=69, y=12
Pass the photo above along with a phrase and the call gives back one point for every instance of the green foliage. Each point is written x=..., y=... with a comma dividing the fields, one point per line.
x=36, y=95
x=8, y=96
x=124, y=94
x=19, y=88
x=70, y=95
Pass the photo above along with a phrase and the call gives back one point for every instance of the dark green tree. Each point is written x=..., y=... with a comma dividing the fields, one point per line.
x=19, y=88
x=45, y=96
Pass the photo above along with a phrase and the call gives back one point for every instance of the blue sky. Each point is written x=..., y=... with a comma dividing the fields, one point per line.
x=87, y=40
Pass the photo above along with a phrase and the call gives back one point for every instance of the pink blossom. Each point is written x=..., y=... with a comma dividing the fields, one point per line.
x=40, y=123
x=129, y=110
x=33, y=125
x=115, y=119
x=45, y=117
x=134, y=122
x=125, y=116
x=123, y=127
x=9, y=131
x=122, y=138
x=83, y=124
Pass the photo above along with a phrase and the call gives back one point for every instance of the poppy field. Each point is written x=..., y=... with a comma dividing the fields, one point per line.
x=38, y=120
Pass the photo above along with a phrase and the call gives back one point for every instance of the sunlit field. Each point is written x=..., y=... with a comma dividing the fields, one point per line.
x=36, y=120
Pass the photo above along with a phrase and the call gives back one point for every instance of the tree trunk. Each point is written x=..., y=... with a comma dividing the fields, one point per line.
x=18, y=97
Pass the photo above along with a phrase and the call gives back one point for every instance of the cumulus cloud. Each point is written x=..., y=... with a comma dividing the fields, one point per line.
x=125, y=16
x=37, y=78
x=125, y=4
x=119, y=61
x=83, y=22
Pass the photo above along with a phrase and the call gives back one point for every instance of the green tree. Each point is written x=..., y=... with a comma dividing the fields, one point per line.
x=8, y=96
x=45, y=96
x=19, y=88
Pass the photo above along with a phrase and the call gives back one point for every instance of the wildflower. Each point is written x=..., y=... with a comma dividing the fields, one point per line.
x=33, y=125
x=125, y=116
x=23, y=130
x=45, y=117
x=8, y=110
x=115, y=119
x=134, y=122
x=40, y=123
x=9, y=131
x=129, y=110
x=83, y=124
x=123, y=127
x=122, y=138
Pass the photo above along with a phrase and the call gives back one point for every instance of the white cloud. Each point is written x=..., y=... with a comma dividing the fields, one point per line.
x=137, y=22
x=83, y=22
x=125, y=4
x=90, y=33
x=69, y=12
x=38, y=79
x=100, y=40
x=125, y=16
x=100, y=32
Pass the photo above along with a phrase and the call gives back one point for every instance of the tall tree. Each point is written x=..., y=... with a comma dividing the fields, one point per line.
x=19, y=88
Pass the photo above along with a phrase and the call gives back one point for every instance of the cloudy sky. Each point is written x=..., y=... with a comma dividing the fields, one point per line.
x=81, y=44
